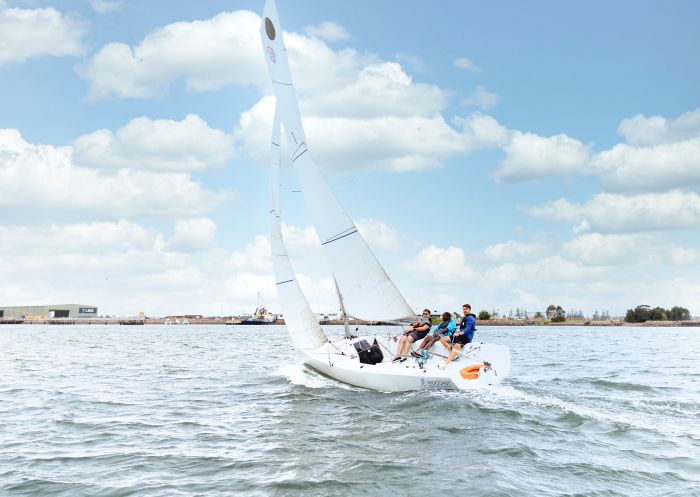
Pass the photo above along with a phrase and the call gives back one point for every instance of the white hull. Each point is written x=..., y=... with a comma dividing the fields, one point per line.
x=339, y=360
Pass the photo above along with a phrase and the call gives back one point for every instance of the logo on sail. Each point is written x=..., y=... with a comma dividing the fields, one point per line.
x=271, y=54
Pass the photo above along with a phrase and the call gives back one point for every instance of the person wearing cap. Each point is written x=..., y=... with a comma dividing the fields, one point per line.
x=413, y=333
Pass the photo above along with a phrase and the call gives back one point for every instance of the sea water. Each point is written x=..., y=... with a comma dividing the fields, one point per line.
x=226, y=410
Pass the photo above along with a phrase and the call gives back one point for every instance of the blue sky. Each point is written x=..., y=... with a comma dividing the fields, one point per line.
x=505, y=154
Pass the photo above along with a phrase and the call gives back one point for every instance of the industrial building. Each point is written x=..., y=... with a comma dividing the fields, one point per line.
x=49, y=311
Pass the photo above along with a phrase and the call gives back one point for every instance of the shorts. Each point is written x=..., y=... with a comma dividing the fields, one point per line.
x=460, y=339
x=418, y=335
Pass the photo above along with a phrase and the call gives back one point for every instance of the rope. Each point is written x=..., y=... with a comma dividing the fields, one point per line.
x=385, y=348
x=336, y=348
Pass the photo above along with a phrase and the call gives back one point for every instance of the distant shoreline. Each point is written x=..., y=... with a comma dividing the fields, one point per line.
x=231, y=321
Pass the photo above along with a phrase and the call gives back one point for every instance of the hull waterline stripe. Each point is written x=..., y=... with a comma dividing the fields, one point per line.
x=339, y=237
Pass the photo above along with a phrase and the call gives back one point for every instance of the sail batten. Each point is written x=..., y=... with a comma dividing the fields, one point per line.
x=368, y=292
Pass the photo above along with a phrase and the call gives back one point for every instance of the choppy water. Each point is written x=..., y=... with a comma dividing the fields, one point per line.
x=209, y=411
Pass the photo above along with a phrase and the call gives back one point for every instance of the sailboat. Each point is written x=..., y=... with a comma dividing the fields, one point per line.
x=363, y=288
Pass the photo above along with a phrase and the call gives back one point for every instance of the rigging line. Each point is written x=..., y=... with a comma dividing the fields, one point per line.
x=386, y=348
x=336, y=348
x=339, y=237
x=283, y=282
x=295, y=158
x=302, y=144
x=276, y=144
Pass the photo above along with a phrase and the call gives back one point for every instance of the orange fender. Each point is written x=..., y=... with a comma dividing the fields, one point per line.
x=471, y=372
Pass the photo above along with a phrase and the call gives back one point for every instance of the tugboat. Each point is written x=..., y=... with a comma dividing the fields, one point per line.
x=261, y=316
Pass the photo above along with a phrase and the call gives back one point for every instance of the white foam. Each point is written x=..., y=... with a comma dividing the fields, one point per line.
x=300, y=375
x=646, y=421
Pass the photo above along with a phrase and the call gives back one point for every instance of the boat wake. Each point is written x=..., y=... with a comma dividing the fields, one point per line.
x=300, y=375
x=511, y=398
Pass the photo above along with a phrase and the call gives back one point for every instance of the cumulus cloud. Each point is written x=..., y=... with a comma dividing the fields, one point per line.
x=530, y=157
x=466, y=64
x=44, y=178
x=624, y=249
x=27, y=33
x=481, y=97
x=83, y=237
x=255, y=256
x=192, y=235
x=360, y=112
x=513, y=250
x=615, y=213
x=378, y=235
x=661, y=155
x=645, y=131
x=104, y=6
x=443, y=266
x=304, y=238
x=125, y=267
x=380, y=89
x=186, y=145
x=387, y=142
x=554, y=268
x=329, y=31
x=208, y=54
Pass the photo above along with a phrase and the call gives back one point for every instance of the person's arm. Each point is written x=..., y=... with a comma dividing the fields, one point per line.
x=469, y=328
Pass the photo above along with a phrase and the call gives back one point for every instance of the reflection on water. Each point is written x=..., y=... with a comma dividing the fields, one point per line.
x=156, y=411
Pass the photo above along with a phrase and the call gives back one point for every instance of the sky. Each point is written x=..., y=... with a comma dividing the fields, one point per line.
x=503, y=154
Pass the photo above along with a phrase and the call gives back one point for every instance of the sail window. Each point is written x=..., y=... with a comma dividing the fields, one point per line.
x=270, y=29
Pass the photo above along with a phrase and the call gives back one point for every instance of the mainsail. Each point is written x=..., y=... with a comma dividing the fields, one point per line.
x=301, y=323
x=365, y=289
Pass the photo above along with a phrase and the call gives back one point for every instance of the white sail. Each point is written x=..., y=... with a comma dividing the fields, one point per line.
x=301, y=323
x=366, y=290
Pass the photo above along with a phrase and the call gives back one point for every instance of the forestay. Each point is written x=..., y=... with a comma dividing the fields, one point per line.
x=301, y=322
x=365, y=288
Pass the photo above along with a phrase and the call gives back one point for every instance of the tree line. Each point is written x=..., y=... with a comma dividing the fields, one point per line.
x=643, y=313
x=639, y=314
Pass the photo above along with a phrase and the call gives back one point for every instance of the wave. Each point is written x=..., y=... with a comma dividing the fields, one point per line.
x=615, y=385
x=300, y=375
x=509, y=397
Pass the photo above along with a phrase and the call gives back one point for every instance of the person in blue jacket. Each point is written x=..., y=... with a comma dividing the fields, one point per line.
x=442, y=331
x=464, y=335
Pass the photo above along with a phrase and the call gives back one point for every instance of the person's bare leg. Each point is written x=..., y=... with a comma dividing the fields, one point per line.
x=455, y=350
x=402, y=343
x=433, y=341
x=409, y=349
x=407, y=345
